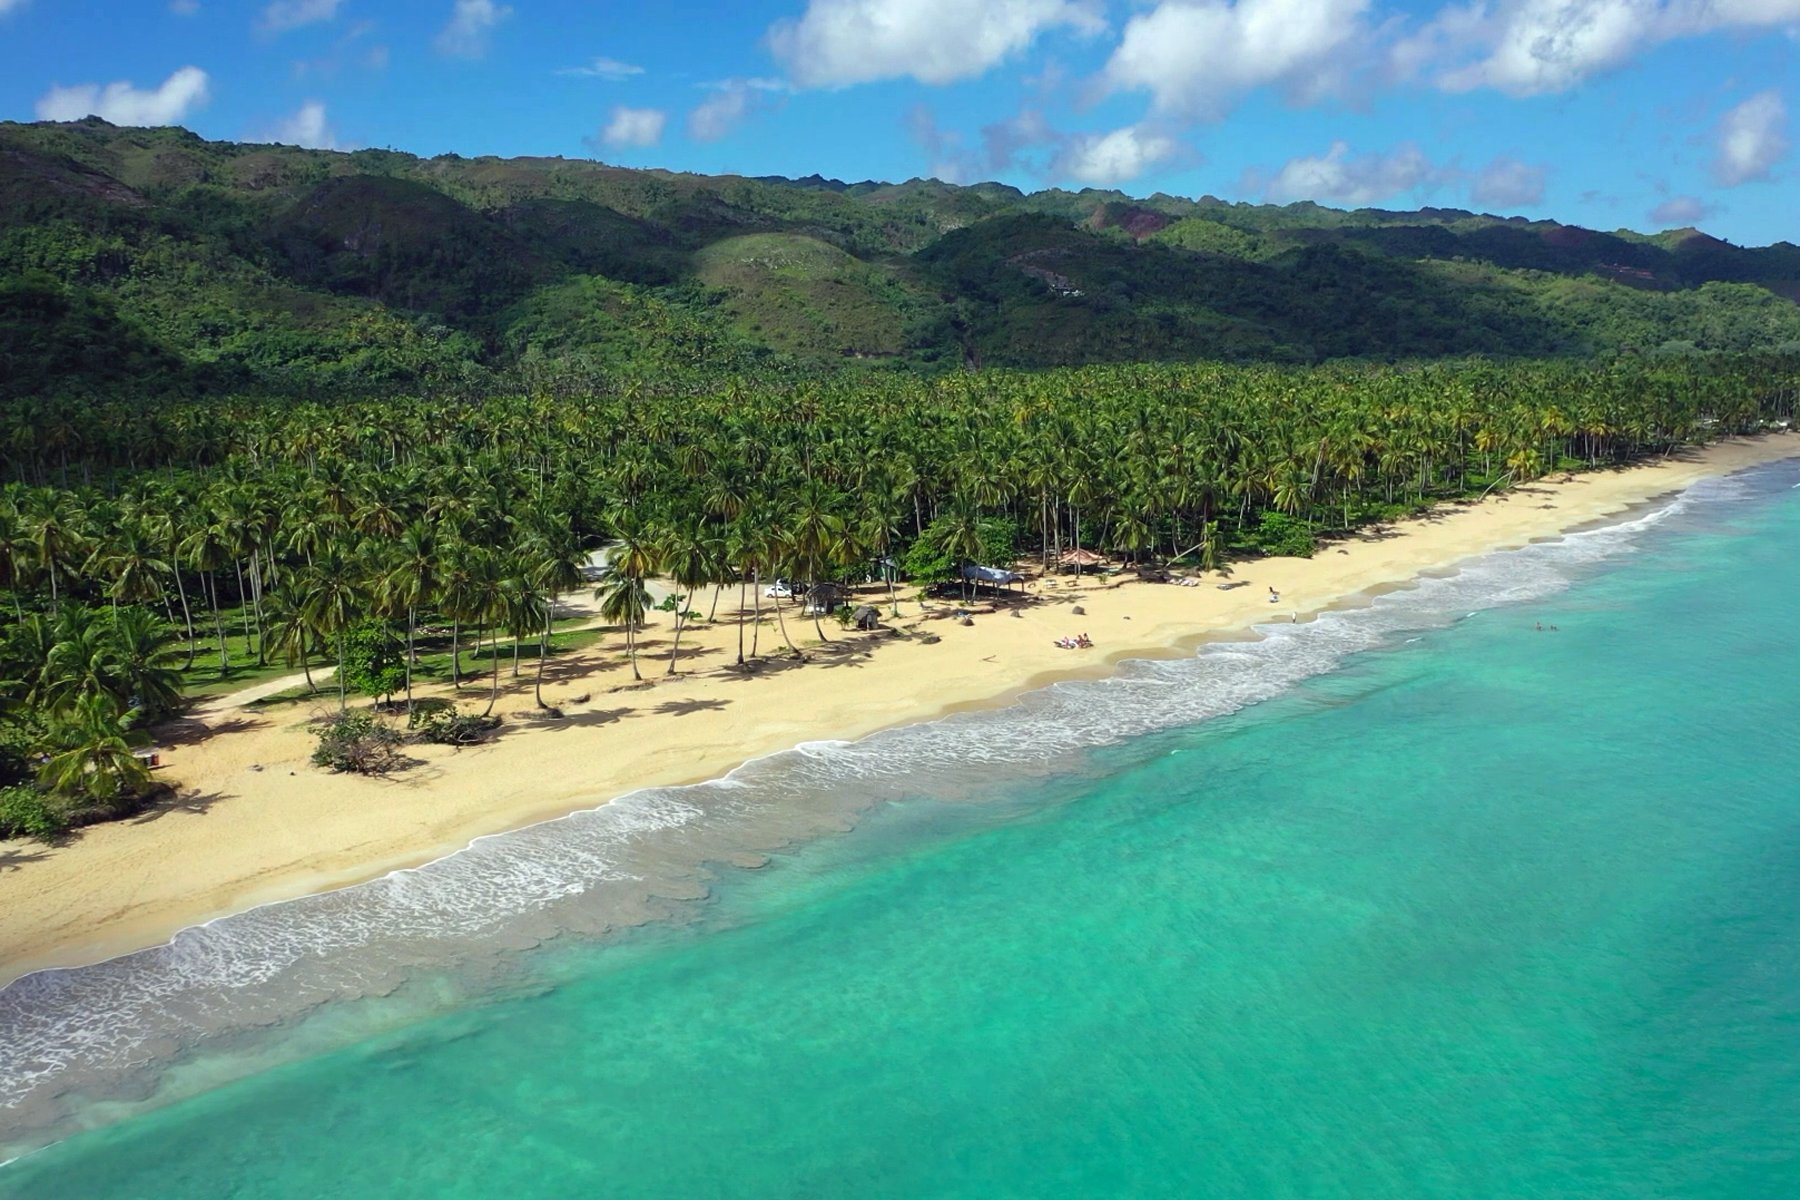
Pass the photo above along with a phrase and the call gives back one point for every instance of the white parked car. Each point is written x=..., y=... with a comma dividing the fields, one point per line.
x=779, y=590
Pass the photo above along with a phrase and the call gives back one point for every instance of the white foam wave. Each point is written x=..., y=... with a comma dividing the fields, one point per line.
x=597, y=868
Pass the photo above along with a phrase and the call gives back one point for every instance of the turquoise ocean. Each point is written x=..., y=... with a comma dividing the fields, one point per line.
x=1413, y=900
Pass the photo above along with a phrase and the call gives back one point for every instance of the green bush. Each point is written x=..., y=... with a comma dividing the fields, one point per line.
x=375, y=660
x=358, y=744
x=1279, y=534
x=27, y=812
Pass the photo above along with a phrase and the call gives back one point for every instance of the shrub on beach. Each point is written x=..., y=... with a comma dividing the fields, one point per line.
x=445, y=726
x=358, y=744
x=28, y=812
x=1278, y=534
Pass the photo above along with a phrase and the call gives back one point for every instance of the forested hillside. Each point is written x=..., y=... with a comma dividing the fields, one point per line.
x=152, y=260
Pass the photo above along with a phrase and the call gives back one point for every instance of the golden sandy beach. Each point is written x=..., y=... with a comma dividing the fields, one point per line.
x=254, y=822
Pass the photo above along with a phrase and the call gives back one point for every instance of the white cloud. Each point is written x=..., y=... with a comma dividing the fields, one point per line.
x=1357, y=180
x=609, y=69
x=282, y=15
x=840, y=42
x=307, y=127
x=184, y=8
x=1751, y=139
x=731, y=103
x=1508, y=183
x=123, y=104
x=1107, y=159
x=1532, y=47
x=471, y=23
x=1196, y=57
x=7, y=6
x=634, y=127
x=1681, y=210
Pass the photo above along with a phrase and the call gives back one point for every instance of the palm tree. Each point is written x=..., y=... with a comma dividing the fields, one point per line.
x=409, y=583
x=142, y=660
x=289, y=634
x=334, y=602
x=817, y=535
x=53, y=525
x=204, y=547
x=624, y=600
x=93, y=760
x=553, y=562
x=689, y=562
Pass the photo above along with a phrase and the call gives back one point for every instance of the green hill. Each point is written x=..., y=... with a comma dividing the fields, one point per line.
x=154, y=260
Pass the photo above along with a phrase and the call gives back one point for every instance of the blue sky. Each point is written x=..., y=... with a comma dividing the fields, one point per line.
x=1607, y=113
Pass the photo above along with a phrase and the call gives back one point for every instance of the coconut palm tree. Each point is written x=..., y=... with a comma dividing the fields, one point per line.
x=93, y=759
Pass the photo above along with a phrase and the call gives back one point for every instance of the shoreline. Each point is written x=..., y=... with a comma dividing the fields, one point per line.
x=253, y=824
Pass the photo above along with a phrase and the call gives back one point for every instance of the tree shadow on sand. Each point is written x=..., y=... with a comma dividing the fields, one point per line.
x=683, y=708
x=188, y=802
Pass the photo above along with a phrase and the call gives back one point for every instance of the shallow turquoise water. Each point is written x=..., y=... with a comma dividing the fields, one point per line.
x=1496, y=913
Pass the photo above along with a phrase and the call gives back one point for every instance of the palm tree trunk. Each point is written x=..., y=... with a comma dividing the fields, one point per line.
x=756, y=604
x=676, y=650
x=456, y=653
x=544, y=651
x=343, y=696
x=243, y=609
x=262, y=654
x=631, y=648
x=412, y=621
x=212, y=581
x=494, y=691
x=781, y=619
x=740, y=621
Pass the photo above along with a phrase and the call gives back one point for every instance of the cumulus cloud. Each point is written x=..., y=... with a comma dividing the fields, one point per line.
x=1197, y=57
x=7, y=6
x=471, y=24
x=306, y=127
x=1681, y=210
x=732, y=102
x=840, y=42
x=1508, y=183
x=609, y=69
x=1532, y=47
x=1341, y=177
x=282, y=15
x=1107, y=159
x=123, y=104
x=634, y=127
x=1751, y=139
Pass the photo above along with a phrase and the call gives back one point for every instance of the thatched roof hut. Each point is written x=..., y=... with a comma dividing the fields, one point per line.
x=825, y=598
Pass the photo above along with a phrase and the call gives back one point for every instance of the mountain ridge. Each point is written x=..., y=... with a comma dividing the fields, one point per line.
x=255, y=266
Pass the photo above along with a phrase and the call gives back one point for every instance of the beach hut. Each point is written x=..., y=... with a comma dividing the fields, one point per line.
x=823, y=599
x=1079, y=560
x=994, y=576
